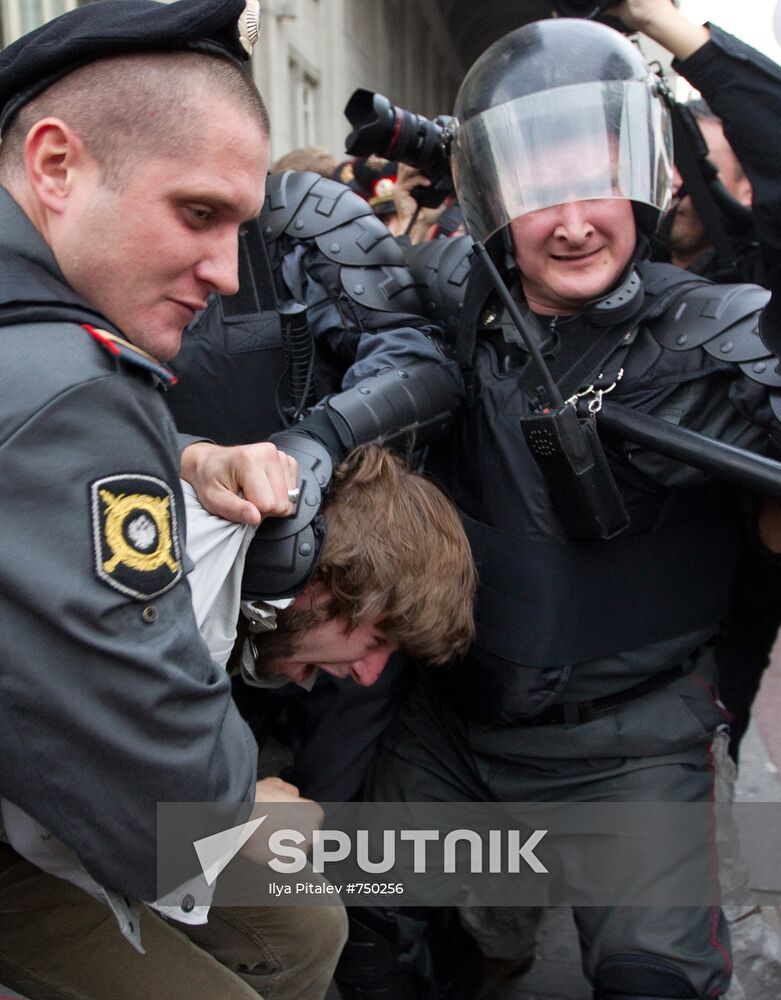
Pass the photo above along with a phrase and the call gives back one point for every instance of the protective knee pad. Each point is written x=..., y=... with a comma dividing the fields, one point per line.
x=641, y=977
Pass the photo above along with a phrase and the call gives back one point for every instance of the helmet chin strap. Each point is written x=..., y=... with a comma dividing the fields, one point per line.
x=623, y=301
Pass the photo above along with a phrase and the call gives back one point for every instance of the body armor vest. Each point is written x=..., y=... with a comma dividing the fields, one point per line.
x=547, y=602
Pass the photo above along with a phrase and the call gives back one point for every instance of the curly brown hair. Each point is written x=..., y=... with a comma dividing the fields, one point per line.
x=395, y=552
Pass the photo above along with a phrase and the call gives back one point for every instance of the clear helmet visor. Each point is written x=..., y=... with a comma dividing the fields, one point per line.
x=609, y=139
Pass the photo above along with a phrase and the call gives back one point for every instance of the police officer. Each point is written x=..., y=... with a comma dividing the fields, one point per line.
x=741, y=87
x=326, y=311
x=731, y=76
x=592, y=676
x=119, y=218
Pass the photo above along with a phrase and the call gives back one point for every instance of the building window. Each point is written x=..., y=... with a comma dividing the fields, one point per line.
x=17, y=17
x=303, y=105
x=21, y=16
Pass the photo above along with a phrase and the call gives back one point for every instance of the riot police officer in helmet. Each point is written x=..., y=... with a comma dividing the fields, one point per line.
x=588, y=645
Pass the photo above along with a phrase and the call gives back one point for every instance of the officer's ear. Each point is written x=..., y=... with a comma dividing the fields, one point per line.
x=53, y=155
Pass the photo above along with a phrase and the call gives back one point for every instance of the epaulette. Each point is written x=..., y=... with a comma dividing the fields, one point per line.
x=124, y=351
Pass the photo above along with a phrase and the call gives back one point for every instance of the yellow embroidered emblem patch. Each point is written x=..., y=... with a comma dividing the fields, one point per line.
x=137, y=549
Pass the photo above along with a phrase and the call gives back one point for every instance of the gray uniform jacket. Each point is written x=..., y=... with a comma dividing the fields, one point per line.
x=109, y=701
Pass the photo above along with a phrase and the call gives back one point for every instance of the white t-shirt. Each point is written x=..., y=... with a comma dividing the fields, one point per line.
x=217, y=548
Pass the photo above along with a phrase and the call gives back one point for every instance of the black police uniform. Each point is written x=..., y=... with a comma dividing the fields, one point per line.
x=592, y=675
x=744, y=88
x=242, y=375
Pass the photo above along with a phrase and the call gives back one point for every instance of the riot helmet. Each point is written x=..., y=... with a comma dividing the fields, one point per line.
x=560, y=110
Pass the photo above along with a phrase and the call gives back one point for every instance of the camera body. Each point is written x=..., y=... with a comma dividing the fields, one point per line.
x=396, y=134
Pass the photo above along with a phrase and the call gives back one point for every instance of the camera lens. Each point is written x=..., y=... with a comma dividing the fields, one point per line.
x=396, y=134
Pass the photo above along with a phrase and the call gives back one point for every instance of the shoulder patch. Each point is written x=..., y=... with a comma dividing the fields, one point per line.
x=135, y=534
x=123, y=350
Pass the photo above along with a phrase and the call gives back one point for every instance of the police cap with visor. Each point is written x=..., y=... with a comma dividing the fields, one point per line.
x=559, y=110
x=225, y=28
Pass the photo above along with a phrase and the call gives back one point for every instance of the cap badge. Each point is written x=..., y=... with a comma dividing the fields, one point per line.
x=249, y=26
x=383, y=188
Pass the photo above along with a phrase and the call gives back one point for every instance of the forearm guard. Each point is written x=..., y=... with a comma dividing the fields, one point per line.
x=415, y=403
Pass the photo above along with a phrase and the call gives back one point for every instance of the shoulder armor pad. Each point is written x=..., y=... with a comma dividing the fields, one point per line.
x=305, y=205
x=440, y=269
x=122, y=350
x=284, y=194
x=362, y=241
x=724, y=321
x=721, y=318
x=384, y=288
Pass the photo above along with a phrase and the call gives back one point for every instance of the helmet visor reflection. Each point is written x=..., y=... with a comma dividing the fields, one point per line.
x=607, y=139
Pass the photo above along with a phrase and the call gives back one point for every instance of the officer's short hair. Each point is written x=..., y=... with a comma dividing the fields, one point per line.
x=395, y=550
x=127, y=108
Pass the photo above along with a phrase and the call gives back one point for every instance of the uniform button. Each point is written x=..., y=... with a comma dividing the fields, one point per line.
x=188, y=903
x=149, y=615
